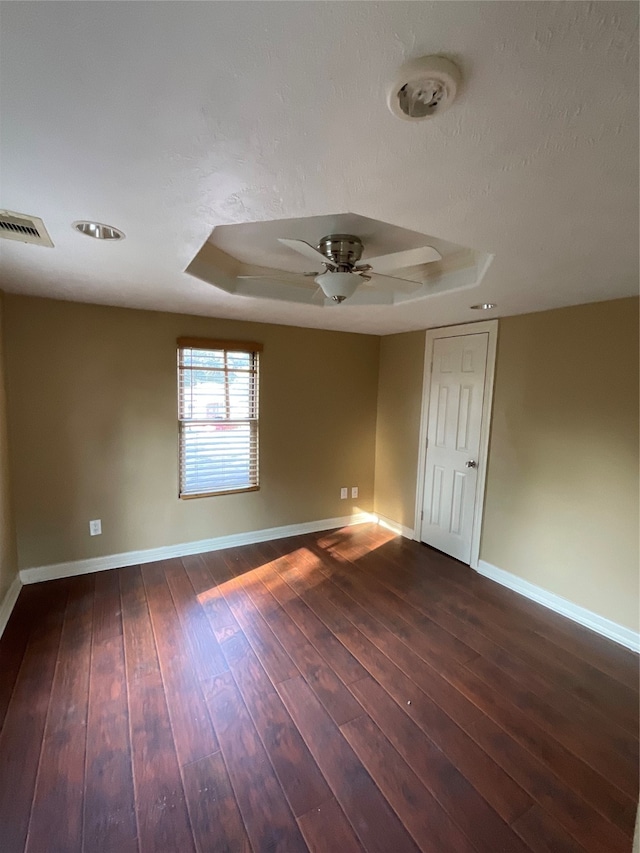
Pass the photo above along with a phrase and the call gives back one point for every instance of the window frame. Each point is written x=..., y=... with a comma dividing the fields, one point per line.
x=251, y=347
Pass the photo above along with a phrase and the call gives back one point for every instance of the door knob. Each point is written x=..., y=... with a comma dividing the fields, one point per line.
x=471, y=463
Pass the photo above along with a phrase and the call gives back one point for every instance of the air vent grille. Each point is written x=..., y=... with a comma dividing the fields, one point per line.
x=19, y=229
x=26, y=229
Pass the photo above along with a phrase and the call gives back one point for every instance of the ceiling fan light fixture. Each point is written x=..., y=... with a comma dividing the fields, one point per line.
x=338, y=285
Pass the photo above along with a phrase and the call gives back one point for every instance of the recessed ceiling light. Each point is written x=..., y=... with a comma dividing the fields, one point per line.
x=484, y=306
x=98, y=230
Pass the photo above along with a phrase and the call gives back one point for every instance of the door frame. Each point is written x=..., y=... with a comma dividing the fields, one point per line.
x=490, y=326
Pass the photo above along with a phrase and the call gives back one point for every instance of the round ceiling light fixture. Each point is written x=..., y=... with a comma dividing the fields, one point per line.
x=484, y=306
x=98, y=230
x=423, y=88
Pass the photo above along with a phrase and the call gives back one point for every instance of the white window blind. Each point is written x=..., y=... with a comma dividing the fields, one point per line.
x=218, y=416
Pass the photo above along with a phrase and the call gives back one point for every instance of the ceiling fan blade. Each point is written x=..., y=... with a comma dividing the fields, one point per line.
x=285, y=276
x=408, y=258
x=389, y=282
x=318, y=297
x=305, y=249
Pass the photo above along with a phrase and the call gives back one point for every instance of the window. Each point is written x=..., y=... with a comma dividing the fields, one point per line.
x=218, y=416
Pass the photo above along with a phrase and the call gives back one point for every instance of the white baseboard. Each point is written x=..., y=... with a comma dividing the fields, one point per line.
x=8, y=603
x=599, y=624
x=393, y=526
x=150, y=555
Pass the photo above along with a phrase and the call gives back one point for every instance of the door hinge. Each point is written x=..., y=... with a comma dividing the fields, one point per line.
x=421, y=515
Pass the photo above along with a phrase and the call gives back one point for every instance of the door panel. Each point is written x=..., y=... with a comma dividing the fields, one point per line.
x=453, y=439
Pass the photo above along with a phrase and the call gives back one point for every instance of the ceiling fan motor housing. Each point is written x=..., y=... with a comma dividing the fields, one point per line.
x=342, y=250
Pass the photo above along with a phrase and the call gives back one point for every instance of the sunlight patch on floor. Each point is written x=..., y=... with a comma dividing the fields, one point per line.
x=343, y=545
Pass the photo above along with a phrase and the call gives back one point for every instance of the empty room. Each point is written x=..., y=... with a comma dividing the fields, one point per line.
x=319, y=427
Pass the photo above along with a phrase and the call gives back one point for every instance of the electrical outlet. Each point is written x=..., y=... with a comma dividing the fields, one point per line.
x=354, y=491
x=344, y=493
x=95, y=527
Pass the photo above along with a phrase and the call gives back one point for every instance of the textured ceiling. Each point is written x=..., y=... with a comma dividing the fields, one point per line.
x=169, y=119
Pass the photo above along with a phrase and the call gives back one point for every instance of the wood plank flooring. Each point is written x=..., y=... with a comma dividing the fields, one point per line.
x=334, y=692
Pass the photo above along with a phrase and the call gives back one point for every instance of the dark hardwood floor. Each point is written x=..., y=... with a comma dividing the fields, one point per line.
x=337, y=692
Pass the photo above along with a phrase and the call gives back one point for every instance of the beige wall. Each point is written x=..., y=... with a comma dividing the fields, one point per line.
x=398, y=427
x=561, y=507
x=8, y=560
x=92, y=415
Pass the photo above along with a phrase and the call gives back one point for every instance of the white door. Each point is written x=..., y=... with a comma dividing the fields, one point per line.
x=453, y=443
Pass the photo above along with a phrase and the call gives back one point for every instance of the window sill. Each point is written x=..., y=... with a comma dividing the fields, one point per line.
x=216, y=494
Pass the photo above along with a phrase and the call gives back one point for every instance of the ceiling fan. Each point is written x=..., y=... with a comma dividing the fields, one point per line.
x=343, y=273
